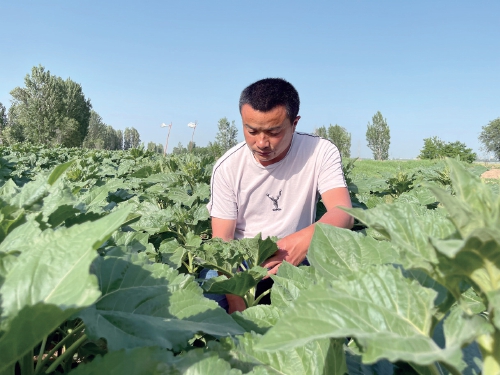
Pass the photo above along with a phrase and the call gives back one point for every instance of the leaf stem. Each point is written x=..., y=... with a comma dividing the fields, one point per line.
x=75, y=331
x=257, y=300
x=40, y=354
x=68, y=353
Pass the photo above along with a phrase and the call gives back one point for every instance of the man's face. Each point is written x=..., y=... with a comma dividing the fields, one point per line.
x=267, y=134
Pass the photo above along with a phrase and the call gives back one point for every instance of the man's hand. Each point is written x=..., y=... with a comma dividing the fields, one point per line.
x=293, y=248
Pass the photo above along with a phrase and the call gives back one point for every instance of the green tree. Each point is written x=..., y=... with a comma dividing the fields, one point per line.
x=321, y=132
x=49, y=110
x=227, y=135
x=490, y=137
x=179, y=149
x=454, y=149
x=435, y=148
x=96, y=135
x=3, y=121
x=340, y=138
x=155, y=147
x=432, y=148
x=119, y=139
x=378, y=137
x=131, y=138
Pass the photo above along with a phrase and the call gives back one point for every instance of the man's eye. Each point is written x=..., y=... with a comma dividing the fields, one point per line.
x=251, y=132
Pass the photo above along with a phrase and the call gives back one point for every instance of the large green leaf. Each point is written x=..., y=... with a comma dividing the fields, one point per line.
x=317, y=357
x=388, y=315
x=474, y=206
x=336, y=252
x=48, y=282
x=258, y=318
x=139, y=361
x=476, y=258
x=288, y=284
x=239, y=284
x=409, y=228
x=151, y=304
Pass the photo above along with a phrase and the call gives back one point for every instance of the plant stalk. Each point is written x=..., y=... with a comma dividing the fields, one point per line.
x=26, y=363
x=68, y=353
x=75, y=331
x=40, y=354
x=257, y=300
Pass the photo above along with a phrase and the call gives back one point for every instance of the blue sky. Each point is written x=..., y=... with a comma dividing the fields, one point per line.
x=432, y=68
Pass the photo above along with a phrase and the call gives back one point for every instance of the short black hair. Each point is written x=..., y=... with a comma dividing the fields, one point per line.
x=268, y=93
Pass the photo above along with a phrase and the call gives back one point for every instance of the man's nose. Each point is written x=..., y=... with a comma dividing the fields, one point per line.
x=262, y=141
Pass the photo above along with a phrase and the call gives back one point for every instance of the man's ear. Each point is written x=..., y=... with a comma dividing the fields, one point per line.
x=295, y=122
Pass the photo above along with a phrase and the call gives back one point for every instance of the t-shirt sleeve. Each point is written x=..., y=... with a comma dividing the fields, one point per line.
x=331, y=175
x=222, y=202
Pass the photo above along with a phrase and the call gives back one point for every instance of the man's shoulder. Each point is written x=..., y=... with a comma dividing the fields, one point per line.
x=313, y=142
x=234, y=155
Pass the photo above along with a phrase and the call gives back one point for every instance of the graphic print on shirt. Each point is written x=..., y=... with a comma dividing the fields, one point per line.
x=275, y=201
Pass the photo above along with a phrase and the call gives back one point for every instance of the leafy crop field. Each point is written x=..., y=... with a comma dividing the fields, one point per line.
x=101, y=253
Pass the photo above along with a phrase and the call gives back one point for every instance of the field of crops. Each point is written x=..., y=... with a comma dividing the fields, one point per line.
x=101, y=252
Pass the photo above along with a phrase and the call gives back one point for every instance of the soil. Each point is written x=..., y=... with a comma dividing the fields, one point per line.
x=492, y=173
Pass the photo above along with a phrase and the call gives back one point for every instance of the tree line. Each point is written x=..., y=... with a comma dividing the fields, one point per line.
x=52, y=111
x=378, y=140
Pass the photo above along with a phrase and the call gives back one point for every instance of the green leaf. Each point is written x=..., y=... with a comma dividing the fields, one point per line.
x=139, y=361
x=409, y=228
x=474, y=206
x=288, y=284
x=317, y=357
x=58, y=171
x=197, y=362
x=476, y=258
x=50, y=279
x=389, y=316
x=239, y=284
x=258, y=318
x=151, y=304
x=336, y=252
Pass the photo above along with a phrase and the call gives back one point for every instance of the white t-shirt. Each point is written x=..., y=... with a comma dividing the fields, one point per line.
x=279, y=199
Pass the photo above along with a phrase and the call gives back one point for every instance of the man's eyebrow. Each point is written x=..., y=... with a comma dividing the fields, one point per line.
x=278, y=127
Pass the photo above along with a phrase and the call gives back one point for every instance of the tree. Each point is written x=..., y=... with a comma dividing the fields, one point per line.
x=378, y=137
x=340, y=138
x=155, y=147
x=227, y=135
x=3, y=121
x=432, y=148
x=490, y=137
x=96, y=135
x=435, y=148
x=49, y=110
x=321, y=132
x=131, y=138
x=179, y=149
x=119, y=139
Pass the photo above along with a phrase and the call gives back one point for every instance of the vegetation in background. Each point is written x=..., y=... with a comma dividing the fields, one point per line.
x=131, y=138
x=101, y=136
x=133, y=228
x=227, y=135
x=48, y=111
x=490, y=137
x=339, y=136
x=378, y=137
x=435, y=148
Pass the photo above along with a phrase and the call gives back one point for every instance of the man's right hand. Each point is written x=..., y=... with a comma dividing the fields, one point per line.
x=236, y=303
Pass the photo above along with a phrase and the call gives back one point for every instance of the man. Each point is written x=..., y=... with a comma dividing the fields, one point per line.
x=271, y=182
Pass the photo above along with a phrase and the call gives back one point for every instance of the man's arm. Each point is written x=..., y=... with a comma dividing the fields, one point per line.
x=293, y=248
x=223, y=228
